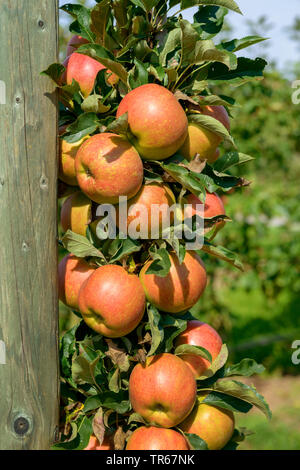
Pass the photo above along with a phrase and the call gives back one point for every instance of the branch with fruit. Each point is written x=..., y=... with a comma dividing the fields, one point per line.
x=139, y=120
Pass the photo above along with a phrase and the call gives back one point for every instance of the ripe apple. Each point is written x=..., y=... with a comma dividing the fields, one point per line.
x=157, y=121
x=213, y=207
x=108, y=166
x=72, y=272
x=181, y=288
x=84, y=70
x=94, y=444
x=75, y=42
x=67, y=154
x=200, y=141
x=201, y=334
x=213, y=424
x=112, y=302
x=76, y=213
x=142, y=206
x=163, y=391
x=215, y=111
x=153, y=438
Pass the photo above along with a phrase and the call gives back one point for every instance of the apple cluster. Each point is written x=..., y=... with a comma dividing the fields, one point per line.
x=100, y=169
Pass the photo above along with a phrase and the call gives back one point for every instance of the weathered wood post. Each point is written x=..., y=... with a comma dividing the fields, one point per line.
x=28, y=172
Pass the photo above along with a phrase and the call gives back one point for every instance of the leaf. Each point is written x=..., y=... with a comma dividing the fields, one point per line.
x=113, y=401
x=119, y=438
x=195, y=442
x=217, y=364
x=119, y=125
x=211, y=124
x=118, y=356
x=244, y=392
x=172, y=327
x=99, y=18
x=245, y=368
x=126, y=247
x=113, y=383
x=55, y=72
x=223, y=254
x=209, y=20
x=93, y=104
x=82, y=371
x=138, y=76
x=227, y=402
x=157, y=332
x=80, y=246
x=189, y=38
x=136, y=418
x=230, y=4
x=184, y=349
x=247, y=70
x=82, y=22
x=173, y=41
x=82, y=438
x=238, y=44
x=230, y=159
x=98, y=426
x=85, y=124
x=161, y=264
x=67, y=349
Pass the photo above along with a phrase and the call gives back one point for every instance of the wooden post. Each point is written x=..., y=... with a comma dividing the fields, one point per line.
x=29, y=398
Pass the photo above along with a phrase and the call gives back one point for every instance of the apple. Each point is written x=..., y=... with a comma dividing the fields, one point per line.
x=213, y=424
x=67, y=154
x=181, y=288
x=163, y=391
x=157, y=121
x=107, y=167
x=216, y=111
x=94, y=444
x=200, y=141
x=201, y=334
x=72, y=273
x=153, y=438
x=84, y=70
x=75, y=42
x=213, y=207
x=112, y=302
x=142, y=205
x=76, y=213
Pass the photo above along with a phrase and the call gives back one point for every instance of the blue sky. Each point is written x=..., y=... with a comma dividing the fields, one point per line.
x=280, y=14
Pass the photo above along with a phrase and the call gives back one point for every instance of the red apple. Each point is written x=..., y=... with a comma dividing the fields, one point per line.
x=201, y=334
x=214, y=425
x=72, y=273
x=213, y=207
x=75, y=42
x=76, y=213
x=157, y=121
x=112, y=302
x=163, y=391
x=94, y=444
x=153, y=438
x=107, y=167
x=181, y=288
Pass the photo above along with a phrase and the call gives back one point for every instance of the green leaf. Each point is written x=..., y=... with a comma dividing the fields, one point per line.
x=93, y=104
x=99, y=19
x=244, y=392
x=82, y=24
x=189, y=38
x=67, y=350
x=212, y=125
x=157, y=332
x=172, y=326
x=85, y=124
x=161, y=264
x=227, y=402
x=230, y=159
x=80, y=246
x=217, y=364
x=195, y=442
x=208, y=20
x=113, y=401
x=119, y=125
x=245, y=368
x=230, y=4
x=114, y=381
x=126, y=247
x=184, y=349
x=55, y=72
x=138, y=76
x=173, y=42
x=247, y=70
x=238, y=44
x=223, y=254
x=82, y=438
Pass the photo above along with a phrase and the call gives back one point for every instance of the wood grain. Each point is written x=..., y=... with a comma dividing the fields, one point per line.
x=28, y=225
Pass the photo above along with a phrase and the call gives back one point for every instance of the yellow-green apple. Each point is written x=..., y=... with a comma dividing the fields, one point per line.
x=76, y=213
x=84, y=70
x=201, y=334
x=143, y=212
x=153, y=438
x=181, y=288
x=213, y=424
x=112, y=302
x=67, y=154
x=72, y=273
x=94, y=444
x=75, y=42
x=163, y=391
x=202, y=142
x=213, y=207
x=157, y=121
x=107, y=167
